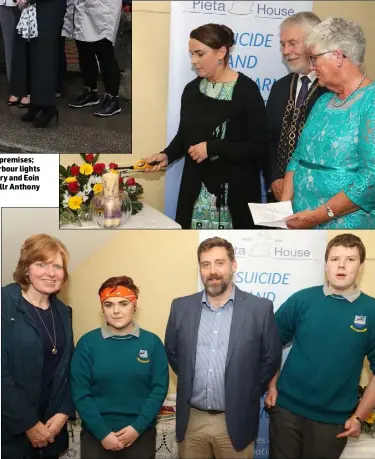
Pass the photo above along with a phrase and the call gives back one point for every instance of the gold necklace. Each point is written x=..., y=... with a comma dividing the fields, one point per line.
x=54, y=342
x=290, y=129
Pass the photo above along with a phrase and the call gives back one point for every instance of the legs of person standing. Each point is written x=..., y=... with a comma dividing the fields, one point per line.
x=110, y=71
x=320, y=440
x=20, y=68
x=8, y=25
x=44, y=63
x=142, y=448
x=89, y=71
x=61, y=66
x=286, y=437
x=295, y=437
x=36, y=455
x=91, y=448
x=207, y=437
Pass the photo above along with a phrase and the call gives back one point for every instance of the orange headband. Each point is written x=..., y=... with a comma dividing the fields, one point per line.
x=120, y=290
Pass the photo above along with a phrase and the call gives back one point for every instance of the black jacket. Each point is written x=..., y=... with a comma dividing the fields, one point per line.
x=276, y=105
x=239, y=153
x=21, y=372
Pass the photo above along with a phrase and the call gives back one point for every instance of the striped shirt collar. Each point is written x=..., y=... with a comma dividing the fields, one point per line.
x=350, y=297
x=107, y=333
x=230, y=299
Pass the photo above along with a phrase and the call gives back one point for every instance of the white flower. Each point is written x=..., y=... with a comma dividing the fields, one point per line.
x=83, y=196
x=66, y=198
x=87, y=189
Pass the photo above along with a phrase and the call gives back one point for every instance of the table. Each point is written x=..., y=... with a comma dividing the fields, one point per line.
x=147, y=218
x=360, y=448
x=166, y=444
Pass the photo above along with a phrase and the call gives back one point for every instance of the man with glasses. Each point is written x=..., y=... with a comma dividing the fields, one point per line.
x=291, y=99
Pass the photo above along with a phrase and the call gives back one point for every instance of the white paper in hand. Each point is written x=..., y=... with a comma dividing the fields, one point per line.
x=272, y=214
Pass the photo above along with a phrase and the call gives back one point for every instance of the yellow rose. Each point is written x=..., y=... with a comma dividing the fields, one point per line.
x=114, y=171
x=75, y=202
x=98, y=188
x=70, y=180
x=86, y=169
x=371, y=419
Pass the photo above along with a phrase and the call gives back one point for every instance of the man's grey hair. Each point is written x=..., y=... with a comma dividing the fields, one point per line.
x=338, y=33
x=304, y=19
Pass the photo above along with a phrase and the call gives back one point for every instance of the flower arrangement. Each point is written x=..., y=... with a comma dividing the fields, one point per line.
x=79, y=184
x=368, y=426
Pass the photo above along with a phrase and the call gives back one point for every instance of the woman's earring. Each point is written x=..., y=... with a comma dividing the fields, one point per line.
x=135, y=310
x=220, y=61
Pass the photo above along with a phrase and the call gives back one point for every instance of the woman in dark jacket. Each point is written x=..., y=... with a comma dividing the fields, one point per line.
x=222, y=135
x=37, y=345
x=35, y=61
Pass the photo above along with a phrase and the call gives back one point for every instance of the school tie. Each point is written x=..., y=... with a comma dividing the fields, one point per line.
x=305, y=80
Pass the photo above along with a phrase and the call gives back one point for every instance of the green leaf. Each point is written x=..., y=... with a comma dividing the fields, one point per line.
x=95, y=158
x=83, y=156
x=63, y=171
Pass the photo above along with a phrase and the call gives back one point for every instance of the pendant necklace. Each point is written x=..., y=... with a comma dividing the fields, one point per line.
x=53, y=341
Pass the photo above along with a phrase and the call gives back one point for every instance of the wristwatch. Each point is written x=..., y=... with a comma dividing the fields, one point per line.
x=359, y=420
x=330, y=212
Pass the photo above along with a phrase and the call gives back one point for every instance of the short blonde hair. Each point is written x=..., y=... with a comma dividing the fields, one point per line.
x=39, y=247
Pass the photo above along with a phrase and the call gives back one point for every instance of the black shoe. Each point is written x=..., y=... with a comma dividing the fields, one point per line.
x=46, y=116
x=21, y=105
x=110, y=106
x=31, y=113
x=86, y=99
x=13, y=102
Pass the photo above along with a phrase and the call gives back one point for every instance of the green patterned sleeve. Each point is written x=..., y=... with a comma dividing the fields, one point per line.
x=294, y=161
x=362, y=190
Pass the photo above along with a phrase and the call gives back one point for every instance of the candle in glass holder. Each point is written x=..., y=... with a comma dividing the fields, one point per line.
x=112, y=202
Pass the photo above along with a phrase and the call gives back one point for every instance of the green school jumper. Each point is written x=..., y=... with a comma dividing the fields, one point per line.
x=331, y=336
x=118, y=381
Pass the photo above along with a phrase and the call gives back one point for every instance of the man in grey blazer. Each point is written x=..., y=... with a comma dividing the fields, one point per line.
x=224, y=346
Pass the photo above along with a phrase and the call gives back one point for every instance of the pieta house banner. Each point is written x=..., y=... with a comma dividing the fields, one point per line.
x=256, y=54
x=274, y=264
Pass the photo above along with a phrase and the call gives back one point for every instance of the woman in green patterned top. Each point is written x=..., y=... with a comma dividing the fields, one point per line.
x=331, y=176
x=222, y=136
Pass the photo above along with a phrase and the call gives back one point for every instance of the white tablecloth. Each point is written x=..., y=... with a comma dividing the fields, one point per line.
x=166, y=444
x=361, y=448
x=147, y=218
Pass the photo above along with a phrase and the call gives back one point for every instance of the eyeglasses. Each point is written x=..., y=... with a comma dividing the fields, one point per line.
x=313, y=57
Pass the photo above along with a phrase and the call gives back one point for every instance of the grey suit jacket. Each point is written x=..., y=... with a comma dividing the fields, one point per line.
x=254, y=356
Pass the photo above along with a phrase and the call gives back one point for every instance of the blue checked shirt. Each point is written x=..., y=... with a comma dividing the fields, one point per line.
x=212, y=349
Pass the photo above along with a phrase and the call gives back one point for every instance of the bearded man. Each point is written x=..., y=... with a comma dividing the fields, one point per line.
x=224, y=346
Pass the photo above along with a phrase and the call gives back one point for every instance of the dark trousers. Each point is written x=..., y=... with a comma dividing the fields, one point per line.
x=8, y=17
x=62, y=64
x=104, y=51
x=142, y=448
x=36, y=455
x=295, y=437
x=35, y=64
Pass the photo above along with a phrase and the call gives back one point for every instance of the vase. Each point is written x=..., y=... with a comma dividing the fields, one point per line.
x=111, y=211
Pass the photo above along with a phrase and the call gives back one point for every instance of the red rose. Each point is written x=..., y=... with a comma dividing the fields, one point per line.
x=73, y=187
x=89, y=157
x=99, y=168
x=121, y=179
x=130, y=182
x=74, y=171
x=113, y=166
